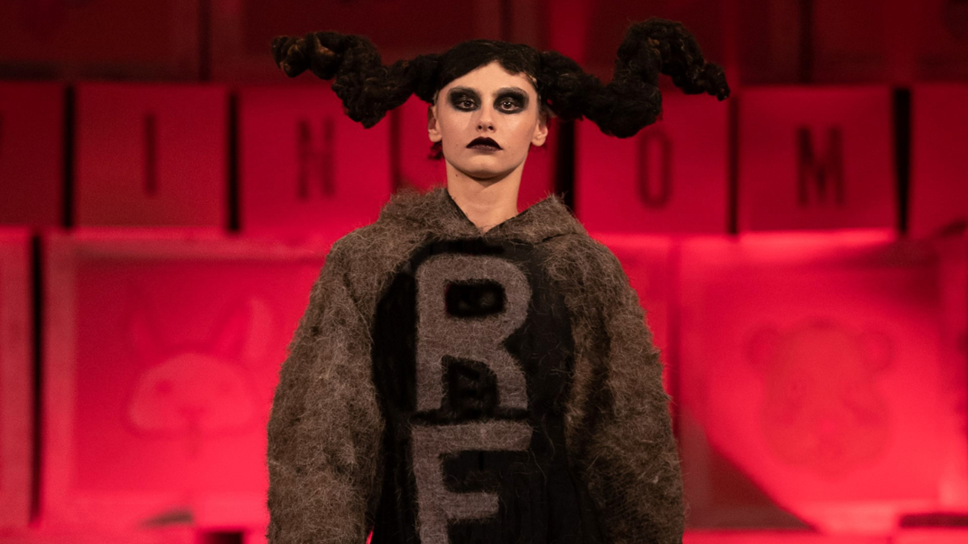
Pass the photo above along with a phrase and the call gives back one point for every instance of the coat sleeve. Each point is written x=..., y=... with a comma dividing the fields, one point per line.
x=325, y=427
x=620, y=426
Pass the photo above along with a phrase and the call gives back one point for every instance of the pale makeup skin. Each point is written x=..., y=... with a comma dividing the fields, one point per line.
x=488, y=102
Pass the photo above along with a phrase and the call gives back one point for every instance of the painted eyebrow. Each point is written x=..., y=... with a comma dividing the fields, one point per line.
x=512, y=90
x=463, y=90
x=501, y=91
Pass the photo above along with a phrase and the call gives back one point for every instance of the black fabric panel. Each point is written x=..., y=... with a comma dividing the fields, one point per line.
x=471, y=390
x=541, y=501
x=475, y=299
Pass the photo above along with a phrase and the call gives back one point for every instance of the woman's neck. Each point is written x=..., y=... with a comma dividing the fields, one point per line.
x=486, y=203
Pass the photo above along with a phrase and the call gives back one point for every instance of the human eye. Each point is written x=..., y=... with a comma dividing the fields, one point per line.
x=511, y=103
x=463, y=101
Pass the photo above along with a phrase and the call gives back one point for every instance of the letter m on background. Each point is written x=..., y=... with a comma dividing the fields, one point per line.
x=820, y=177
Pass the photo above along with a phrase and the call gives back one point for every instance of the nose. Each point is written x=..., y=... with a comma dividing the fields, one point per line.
x=485, y=123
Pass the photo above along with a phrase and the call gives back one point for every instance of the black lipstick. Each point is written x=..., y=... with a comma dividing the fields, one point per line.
x=483, y=142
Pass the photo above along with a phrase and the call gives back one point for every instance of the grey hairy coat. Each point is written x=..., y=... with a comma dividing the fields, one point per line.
x=324, y=454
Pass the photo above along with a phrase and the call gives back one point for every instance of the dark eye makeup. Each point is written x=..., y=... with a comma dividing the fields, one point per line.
x=463, y=99
x=509, y=100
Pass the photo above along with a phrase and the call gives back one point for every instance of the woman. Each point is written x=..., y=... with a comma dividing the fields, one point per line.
x=466, y=373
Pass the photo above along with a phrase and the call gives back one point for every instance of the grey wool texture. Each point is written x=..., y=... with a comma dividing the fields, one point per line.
x=436, y=504
x=326, y=427
x=481, y=339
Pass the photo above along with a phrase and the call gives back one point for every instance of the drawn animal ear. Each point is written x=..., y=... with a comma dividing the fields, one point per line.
x=141, y=333
x=878, y=348
x=261, y=332
x=762, y=346
x=246, y=334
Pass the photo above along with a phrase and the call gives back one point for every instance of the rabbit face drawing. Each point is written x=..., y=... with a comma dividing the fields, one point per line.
x=198, y=392
x=192, y=392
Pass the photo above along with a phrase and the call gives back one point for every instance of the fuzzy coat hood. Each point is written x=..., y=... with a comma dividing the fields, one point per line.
x=437, y=214
x=325, y=453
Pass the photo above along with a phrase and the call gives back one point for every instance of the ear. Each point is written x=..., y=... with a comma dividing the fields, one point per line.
x=879, y=349
x=541, y=131
x=433, y=127
x=141, y=336
x=141, y=329
x=245, y=335
x=762, y=346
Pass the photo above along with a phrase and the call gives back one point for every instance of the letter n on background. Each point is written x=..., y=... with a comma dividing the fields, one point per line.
x=305, y=166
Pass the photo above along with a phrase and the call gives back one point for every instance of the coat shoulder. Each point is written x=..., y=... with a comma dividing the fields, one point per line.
x=581, y=252
x=369, y=255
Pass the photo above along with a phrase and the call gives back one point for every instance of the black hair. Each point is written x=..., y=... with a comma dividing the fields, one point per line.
x=626, y=105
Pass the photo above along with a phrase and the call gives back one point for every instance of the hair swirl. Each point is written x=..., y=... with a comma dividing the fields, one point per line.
x=367, y=88
x=624, y=106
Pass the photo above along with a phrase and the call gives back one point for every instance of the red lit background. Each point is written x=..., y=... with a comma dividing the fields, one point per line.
x=167, y=197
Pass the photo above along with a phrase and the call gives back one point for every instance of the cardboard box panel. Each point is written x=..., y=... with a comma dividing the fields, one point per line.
x=31, y=153
x=151, y=155
x=162, y=355
x=669, y=178
x=16, y=379
x=607, y=23
x=939, y=187
x=305, y=165
x=777, y=537
x=242, y=30
x=100, y=39
x=818, y=158
x=819, y=368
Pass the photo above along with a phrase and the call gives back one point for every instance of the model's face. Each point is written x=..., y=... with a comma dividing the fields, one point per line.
x=486, y=120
